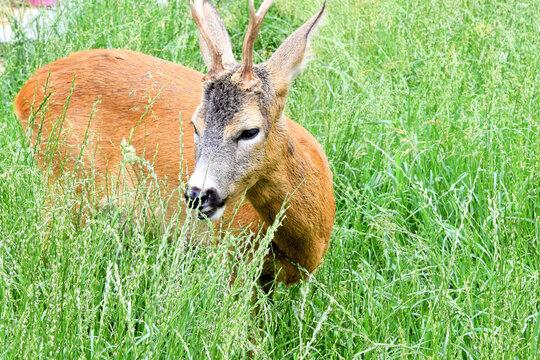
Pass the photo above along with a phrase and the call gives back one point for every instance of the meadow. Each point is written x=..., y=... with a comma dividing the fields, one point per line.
x=429, y=113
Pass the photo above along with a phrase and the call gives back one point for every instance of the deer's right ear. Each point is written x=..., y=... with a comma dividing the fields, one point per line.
x=290, y=58
x=218, y=34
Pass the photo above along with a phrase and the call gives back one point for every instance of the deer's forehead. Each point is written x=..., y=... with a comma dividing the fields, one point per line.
x=222, y=99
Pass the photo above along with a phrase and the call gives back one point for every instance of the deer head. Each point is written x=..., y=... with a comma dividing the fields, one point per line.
x=240, y=131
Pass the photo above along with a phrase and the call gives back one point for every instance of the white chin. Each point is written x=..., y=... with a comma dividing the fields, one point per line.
x=218, y=213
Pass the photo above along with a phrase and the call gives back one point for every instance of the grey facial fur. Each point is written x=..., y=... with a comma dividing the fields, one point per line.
x=267, y=94
x=222, y=99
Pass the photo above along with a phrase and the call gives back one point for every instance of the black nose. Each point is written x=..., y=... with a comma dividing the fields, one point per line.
x=193, y=197
x=209, y=197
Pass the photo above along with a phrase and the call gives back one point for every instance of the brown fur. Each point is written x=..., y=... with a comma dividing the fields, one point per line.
x=125, y=82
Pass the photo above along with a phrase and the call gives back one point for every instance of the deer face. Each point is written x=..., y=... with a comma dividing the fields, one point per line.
x=231, y=131
x=239, y=128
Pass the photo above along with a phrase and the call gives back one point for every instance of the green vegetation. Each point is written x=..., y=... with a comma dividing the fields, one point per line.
x=429, y=113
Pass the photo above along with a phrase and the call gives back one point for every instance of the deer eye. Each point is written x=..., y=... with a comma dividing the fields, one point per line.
x=248, y=134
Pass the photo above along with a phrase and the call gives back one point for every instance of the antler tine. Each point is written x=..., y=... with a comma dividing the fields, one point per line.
x=247, y=77
x=217, y=62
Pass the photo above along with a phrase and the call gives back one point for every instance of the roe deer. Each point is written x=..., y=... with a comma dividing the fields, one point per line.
x=235, y=135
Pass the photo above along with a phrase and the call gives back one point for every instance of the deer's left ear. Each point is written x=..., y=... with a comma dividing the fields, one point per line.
x=289, y=59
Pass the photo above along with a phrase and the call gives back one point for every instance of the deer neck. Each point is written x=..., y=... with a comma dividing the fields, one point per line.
x=292, y=183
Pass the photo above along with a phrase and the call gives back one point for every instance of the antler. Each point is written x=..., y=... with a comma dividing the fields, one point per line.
x=217, y=61
x=247, y=78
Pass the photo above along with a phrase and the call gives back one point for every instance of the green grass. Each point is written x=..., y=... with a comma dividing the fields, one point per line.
x=429, y=113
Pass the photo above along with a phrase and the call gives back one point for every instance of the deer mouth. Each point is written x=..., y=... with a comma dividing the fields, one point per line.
x=211, y=213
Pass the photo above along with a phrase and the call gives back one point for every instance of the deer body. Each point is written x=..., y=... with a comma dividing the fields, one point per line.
x=235, y=137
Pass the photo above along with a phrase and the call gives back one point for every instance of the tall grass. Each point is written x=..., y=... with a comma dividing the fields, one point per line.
x=429, y=114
